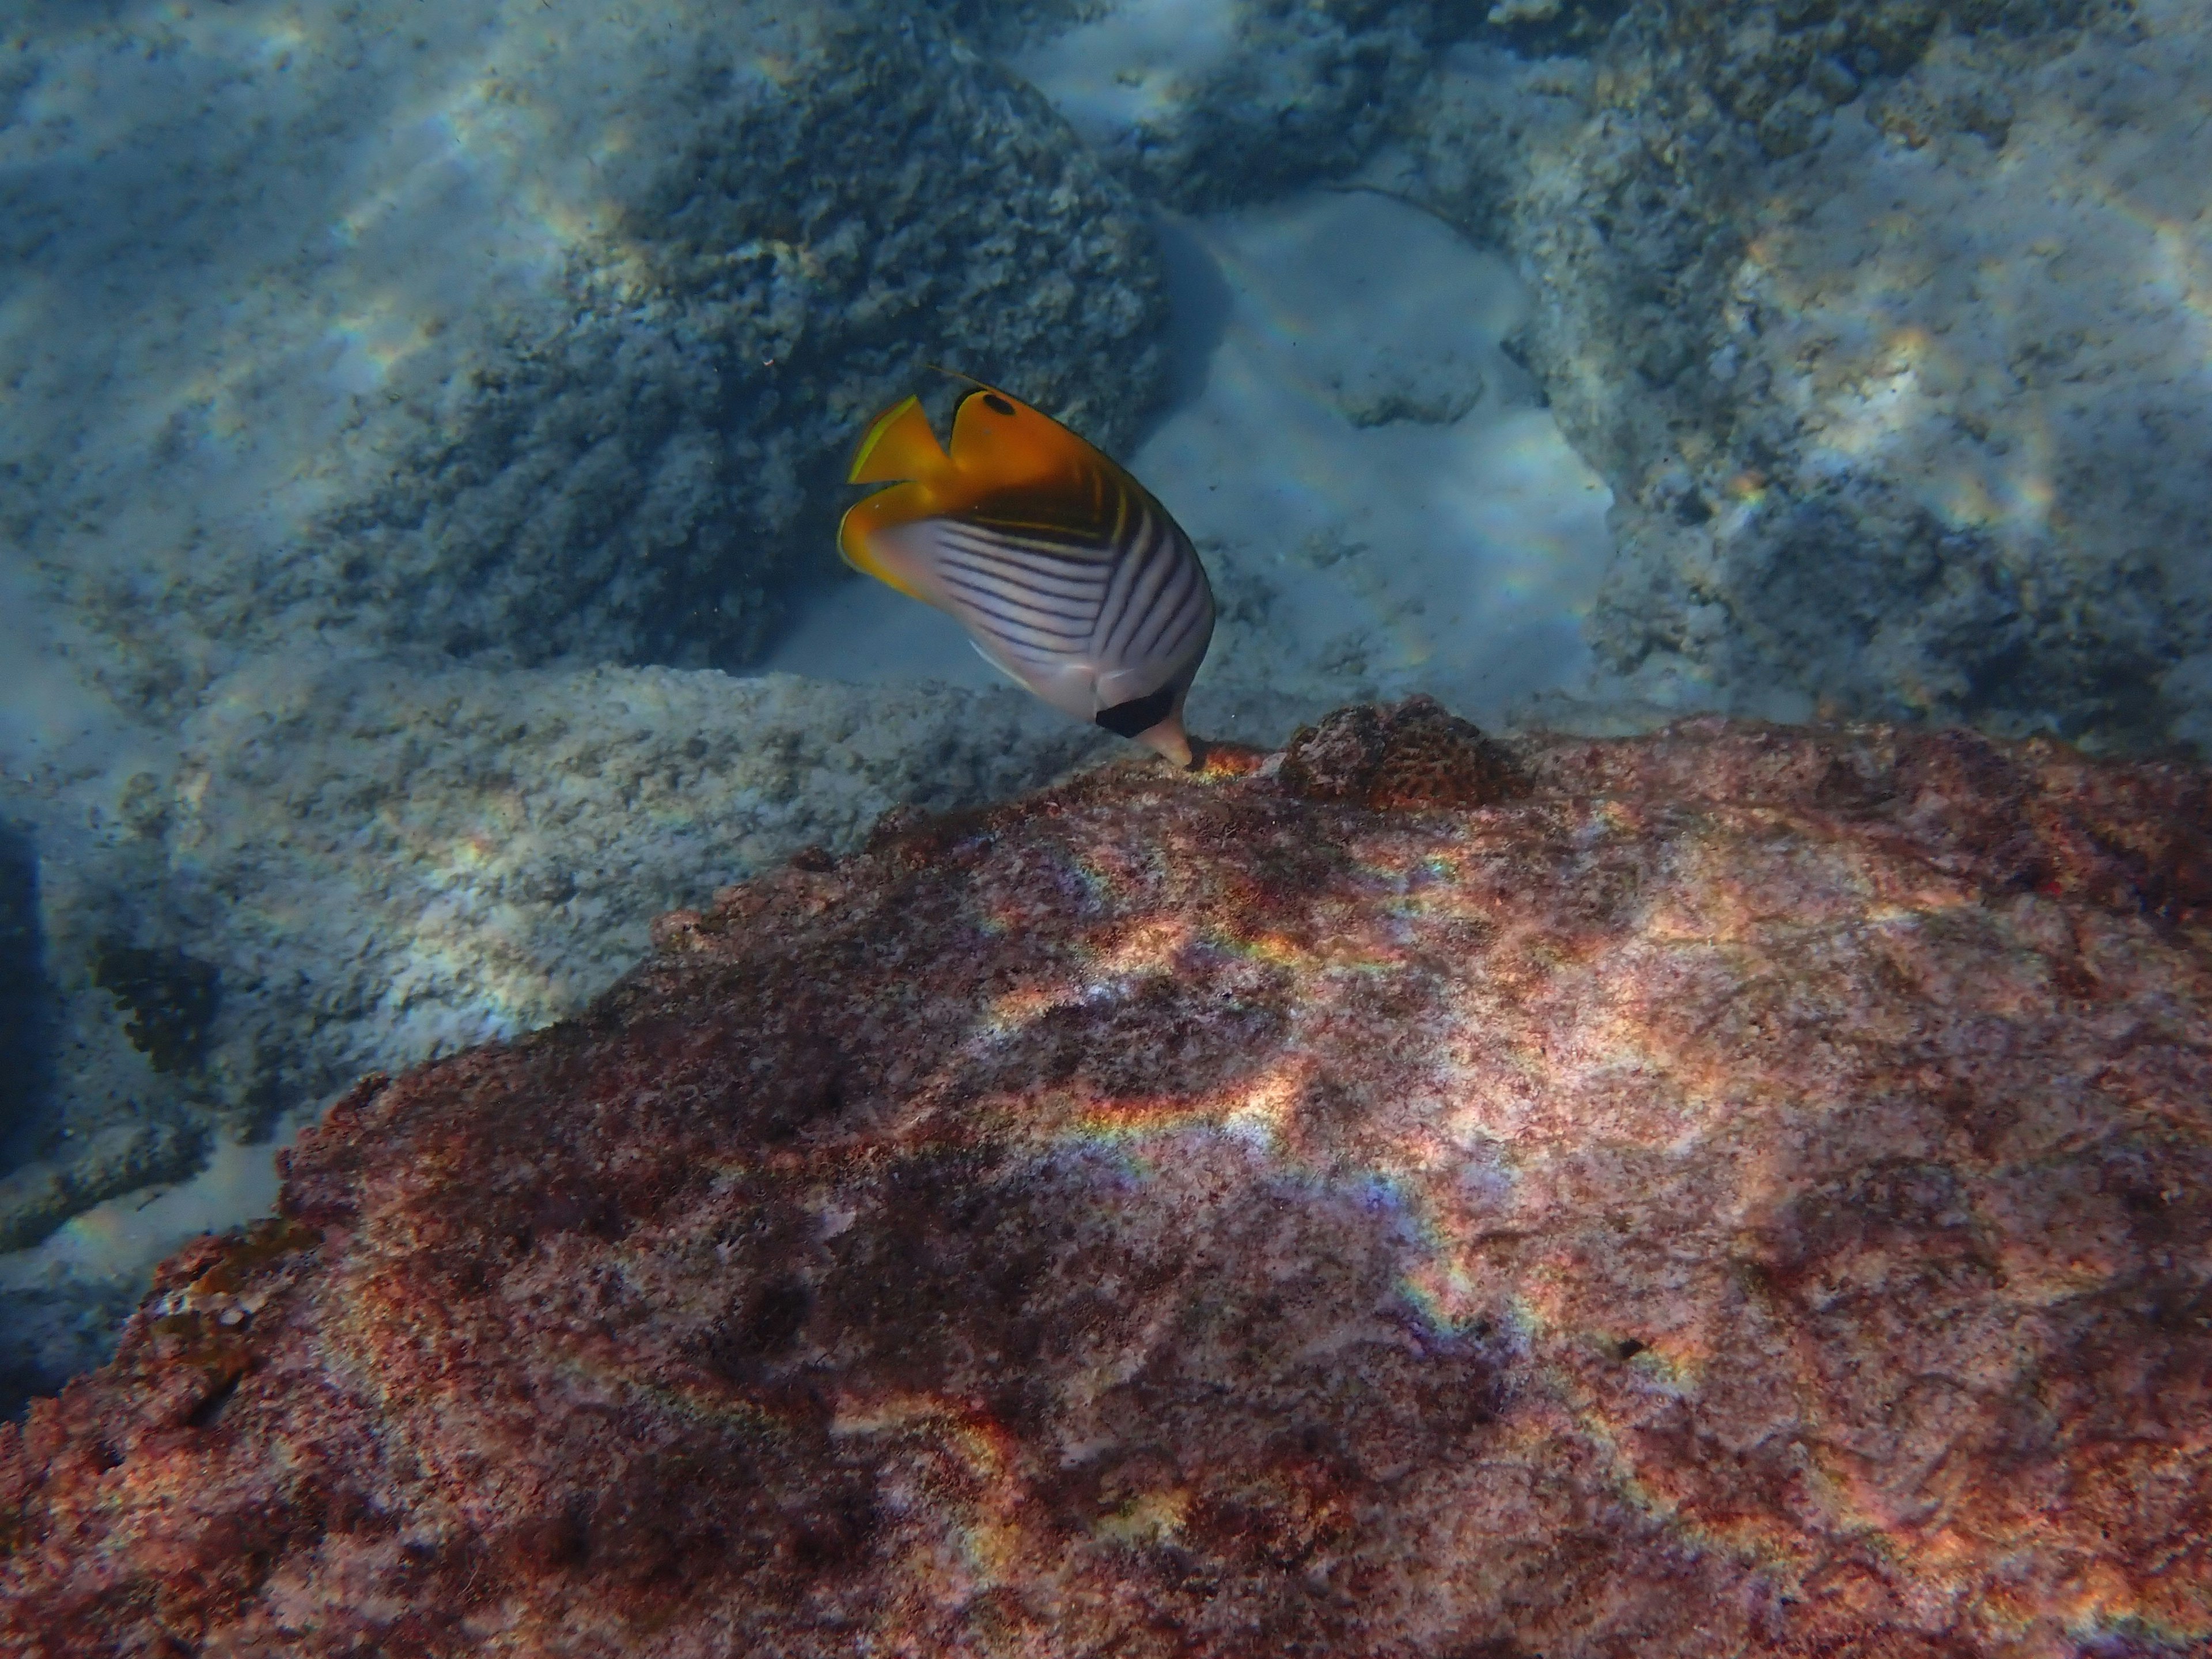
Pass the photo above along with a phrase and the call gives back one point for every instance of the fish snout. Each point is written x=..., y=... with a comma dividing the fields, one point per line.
x=1169, y=740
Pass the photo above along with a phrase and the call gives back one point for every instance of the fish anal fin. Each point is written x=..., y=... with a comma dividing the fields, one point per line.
x=1154, y=719
x=898, y=445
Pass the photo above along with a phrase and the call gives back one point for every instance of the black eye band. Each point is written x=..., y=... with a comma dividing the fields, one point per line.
x=997, y=405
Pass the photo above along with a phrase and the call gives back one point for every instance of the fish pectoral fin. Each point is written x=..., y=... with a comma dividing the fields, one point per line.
x=898, y=445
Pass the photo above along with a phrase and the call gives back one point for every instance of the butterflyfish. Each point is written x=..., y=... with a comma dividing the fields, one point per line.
x=1069, y=577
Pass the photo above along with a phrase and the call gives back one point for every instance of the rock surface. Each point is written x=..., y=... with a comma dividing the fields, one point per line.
x=357, y=866
x=525, y=337
x=1732, y=1191
x=1210, y=103
x=574, y=382
x=1884, y=321
x=504, y=330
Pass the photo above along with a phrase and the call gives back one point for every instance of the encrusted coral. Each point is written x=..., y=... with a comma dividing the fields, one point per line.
x=1746, y=1193
x=1410, y=755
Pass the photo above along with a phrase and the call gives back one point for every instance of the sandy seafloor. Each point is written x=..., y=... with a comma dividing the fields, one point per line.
x=422, y=435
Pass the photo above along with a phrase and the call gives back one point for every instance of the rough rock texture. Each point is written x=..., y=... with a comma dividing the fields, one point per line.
x=1886, y=324
x=82, y=1166
x=1417, y=754
x=359, y=865
x=1750, y=1193
x=1220, y=102
x=498, y=328
x=488, y=849
x=1756, y=58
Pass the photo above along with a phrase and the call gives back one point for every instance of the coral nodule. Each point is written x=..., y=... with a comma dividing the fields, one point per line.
x=1735, y=1190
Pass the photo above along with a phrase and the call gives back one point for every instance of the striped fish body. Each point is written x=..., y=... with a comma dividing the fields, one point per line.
x=1065, y=571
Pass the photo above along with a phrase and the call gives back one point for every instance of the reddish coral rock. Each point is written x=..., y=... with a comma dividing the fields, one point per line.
x=1746, y=1193
x=1411, y=754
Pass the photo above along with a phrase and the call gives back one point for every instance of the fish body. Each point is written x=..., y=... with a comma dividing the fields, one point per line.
x=1067, y=574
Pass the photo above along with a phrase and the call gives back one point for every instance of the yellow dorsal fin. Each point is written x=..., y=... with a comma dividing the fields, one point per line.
x=1001, y=440
x=898, y=445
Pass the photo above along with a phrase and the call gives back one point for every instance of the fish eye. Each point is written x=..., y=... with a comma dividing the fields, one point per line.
x=997, y=405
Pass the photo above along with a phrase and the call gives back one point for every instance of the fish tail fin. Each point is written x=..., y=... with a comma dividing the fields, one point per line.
x=898, y=445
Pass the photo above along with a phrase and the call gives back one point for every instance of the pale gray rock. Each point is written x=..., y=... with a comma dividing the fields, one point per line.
x=1901, y=386
x=386, y=864
x=507, y=330
x=487, y=330
x=1215, y=103
x=361, y=864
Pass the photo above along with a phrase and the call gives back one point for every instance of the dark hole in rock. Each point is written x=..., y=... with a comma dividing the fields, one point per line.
x=595, y=1213
x=762, y=1325
x=775, y=1314
x=806, y=1088
x=833, y=1532
x=211, y=1407
x=1493, y=1647
x=26, y=1016
x=559, y=1540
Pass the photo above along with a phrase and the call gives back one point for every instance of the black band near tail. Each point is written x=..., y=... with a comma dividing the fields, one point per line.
x=1126, y=719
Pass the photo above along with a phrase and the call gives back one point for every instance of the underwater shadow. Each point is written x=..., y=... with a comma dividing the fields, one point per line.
x=27, y=1013
x=1198, y=306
